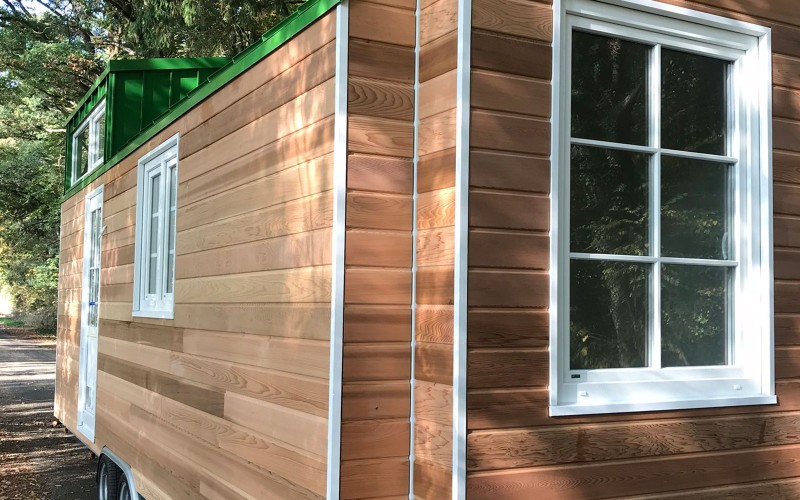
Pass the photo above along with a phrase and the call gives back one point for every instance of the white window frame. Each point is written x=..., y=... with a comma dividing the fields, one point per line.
x=749, y=378
x=162, y=303
x=95, y=159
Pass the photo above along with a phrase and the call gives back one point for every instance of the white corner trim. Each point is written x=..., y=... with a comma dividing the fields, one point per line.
x=461, y=237
x=337, y=258
x=765, y=175
x=559, y=21
x=412, y=420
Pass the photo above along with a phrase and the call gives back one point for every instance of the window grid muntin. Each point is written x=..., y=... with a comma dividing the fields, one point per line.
x=655, y=259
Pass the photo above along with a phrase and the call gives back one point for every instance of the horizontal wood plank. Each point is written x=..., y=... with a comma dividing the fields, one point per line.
x=381, y=61
x=437, y=19
x=375, y=439
x=514, y=17
x=366, y=248
x=438, y=57
x=375, y=400
x=380, y=173
x=639, y=477
x=492, y=288
x=370, y=323
x=311, y=284
x=511, y=54
x=309, y=249
x=382, y=23
x=494, y=248
x=380, y=136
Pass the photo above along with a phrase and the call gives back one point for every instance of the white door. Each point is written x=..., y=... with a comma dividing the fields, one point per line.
x=87, y=379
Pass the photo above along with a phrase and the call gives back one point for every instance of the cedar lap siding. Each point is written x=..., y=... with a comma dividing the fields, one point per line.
x=232, y=397
x=514, y=448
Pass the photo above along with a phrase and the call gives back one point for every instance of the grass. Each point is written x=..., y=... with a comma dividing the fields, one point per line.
x=11, y=322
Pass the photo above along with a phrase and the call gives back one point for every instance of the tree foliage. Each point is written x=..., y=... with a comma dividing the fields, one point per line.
x=51, y=51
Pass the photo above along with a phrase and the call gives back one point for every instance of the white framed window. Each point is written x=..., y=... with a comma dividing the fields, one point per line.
x=88, y=143
x=156, y=211
x=661, y=243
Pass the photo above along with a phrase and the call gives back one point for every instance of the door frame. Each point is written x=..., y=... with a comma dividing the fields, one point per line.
x=94, y=201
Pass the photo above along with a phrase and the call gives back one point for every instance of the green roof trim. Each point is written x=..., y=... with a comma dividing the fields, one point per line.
x=168, y=63
x=157, y=64
x=287, y=29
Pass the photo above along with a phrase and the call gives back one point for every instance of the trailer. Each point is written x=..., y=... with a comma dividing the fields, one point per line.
x=495, y=249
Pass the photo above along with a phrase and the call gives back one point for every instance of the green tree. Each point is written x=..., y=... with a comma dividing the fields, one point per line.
x=51, y=51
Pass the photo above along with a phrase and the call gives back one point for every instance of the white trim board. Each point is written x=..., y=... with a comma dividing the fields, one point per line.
x=461, y=241
x=412, y=420
x=337, y=269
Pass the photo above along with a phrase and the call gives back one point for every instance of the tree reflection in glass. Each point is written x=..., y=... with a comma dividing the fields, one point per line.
x=693, y=102
x=614, y=209
x=608, y=201
x=608, y=314
x=695, y=209
x=694, y=322
x=609, y=89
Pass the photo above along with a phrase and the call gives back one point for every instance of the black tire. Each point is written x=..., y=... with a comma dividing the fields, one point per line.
x=124, y=490
x=107, y=477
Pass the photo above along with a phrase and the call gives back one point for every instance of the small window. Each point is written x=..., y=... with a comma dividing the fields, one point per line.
x=88, y=144
x=156, y=210
x=662, y=172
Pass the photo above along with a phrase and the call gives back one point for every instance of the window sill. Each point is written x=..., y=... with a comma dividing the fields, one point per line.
x=154, y=314
x=688, y=404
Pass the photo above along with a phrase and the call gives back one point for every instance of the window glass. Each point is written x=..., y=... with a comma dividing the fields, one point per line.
x=694, y=102
x=696, y=208
x=609, y=201
x=155, y=216
x=613, y=198
x=81, y=152
x=100, y=138
x=608, y=314
x=694, y=328
x=609, y=89
x=173, y=206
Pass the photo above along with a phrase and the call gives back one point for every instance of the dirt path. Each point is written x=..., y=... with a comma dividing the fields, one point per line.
x=36, y=460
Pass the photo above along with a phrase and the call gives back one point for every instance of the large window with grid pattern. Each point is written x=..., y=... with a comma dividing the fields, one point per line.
x=661, y=188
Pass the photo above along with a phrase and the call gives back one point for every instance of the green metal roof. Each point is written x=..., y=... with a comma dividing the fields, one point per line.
x=152, y=93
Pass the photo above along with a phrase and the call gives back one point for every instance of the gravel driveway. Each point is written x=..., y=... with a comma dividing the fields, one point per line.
x=37, y=461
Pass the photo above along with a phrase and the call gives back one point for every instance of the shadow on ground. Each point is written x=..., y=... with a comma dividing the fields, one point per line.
x=37, y=461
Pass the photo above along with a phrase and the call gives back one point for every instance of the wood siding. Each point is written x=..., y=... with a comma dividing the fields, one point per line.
x=514, y=449
x=378, y=251
x=433, y=369
x=229, y=399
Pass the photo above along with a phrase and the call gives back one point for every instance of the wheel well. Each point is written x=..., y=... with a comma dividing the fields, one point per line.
x=123, y=469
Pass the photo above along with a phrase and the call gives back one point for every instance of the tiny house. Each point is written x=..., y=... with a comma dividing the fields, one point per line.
x=443, y=249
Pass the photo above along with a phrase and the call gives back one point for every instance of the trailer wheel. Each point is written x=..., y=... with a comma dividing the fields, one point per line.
x=107, y=480
x=124, y=488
